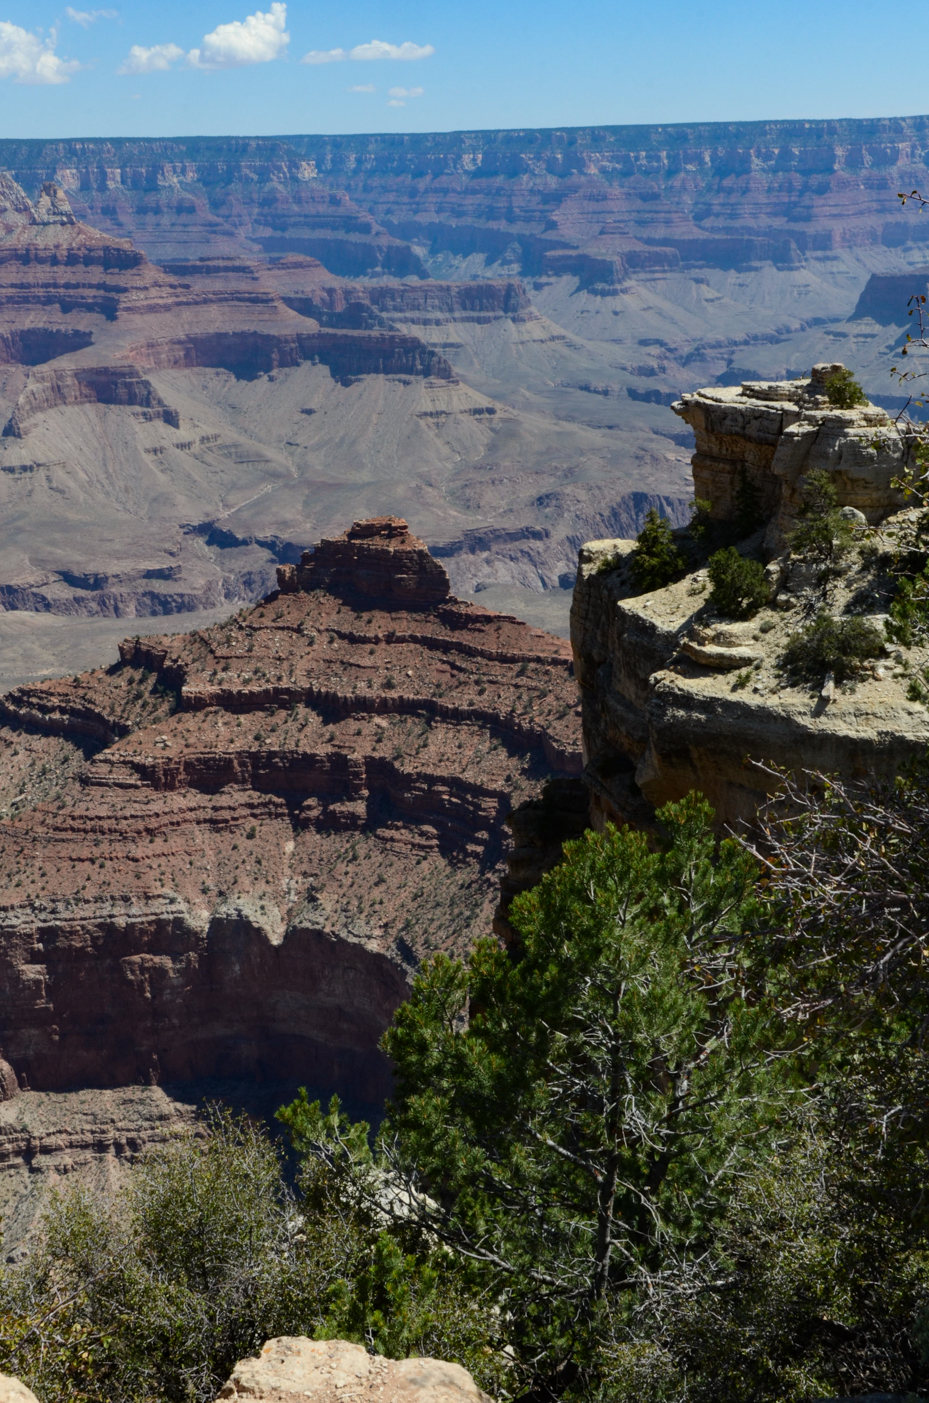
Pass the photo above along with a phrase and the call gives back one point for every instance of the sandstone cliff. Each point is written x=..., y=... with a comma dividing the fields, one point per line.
x=771, y=436
x=677, y=697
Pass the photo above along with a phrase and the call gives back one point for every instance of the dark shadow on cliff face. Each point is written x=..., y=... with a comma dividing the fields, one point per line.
x=262, y=1099
x=34, y=345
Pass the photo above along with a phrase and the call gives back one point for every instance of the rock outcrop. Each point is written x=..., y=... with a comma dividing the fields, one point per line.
x=295, y=1368
x=770, y=435
x=377, y=559
x=426, y=303
x=225, y=856
x=110, y=384
x=677, y=697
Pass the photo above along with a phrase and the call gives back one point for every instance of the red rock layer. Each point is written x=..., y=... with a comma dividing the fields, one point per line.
x=377, y=558
x=231, y=316
x=271, y=821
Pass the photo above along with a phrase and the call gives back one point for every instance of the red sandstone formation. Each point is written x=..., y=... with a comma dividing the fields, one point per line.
x=141, y=480
x=224, y=856
x=377, y=558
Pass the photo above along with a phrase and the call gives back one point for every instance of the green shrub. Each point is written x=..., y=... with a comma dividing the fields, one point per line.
x=701, y=523
x=909, y=609
x=619, y=1037
x=823, y=1259
x=843, y=390
x=839, y=646
x=158, y=1294
x=739, y=586
x=656, y=561
x=823, y=536
x=152, y=1297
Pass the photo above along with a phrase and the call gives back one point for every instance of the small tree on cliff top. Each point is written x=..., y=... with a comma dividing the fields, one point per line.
x=584, y=1126
x=656, y=561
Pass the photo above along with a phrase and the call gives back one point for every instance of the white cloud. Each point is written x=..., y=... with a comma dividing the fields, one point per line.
x=259, y=38
x=398, y=96
x=157, y=59
x=325, y=56
x=379, y=49
x=26, y=58
x=363, y=52
x=362, y=88
x=85, y=18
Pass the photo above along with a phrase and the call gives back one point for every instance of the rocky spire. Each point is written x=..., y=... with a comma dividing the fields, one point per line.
x=52, y=206
x=15, y=206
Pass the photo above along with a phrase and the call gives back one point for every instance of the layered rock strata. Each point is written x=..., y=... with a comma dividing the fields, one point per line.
x=48, y=1139
x=225, y=856
x=771, y=435
x=377, y=558
x=174, y=433
x=721, y=194
x=678, y=697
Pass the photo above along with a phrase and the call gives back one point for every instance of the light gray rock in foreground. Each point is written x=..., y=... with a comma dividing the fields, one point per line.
x=329, y=1370
x=13, y=1391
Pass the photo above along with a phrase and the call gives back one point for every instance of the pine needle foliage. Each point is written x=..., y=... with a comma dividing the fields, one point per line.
x=823, y=537
x=656, y=560
x=840, y=646
x=739, y=588
x=569, y=1114
x=843, y=390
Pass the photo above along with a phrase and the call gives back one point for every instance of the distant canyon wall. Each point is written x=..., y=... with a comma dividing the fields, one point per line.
x=715, y=193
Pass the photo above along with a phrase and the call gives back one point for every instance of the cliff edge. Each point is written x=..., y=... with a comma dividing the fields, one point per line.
x=677, y=696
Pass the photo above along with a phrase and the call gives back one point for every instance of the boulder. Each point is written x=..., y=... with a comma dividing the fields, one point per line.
x=329, y=1370
x=723, y=658
x=12, y=1390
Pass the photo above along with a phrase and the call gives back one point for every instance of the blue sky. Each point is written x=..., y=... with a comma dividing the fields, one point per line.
x=216, y=67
